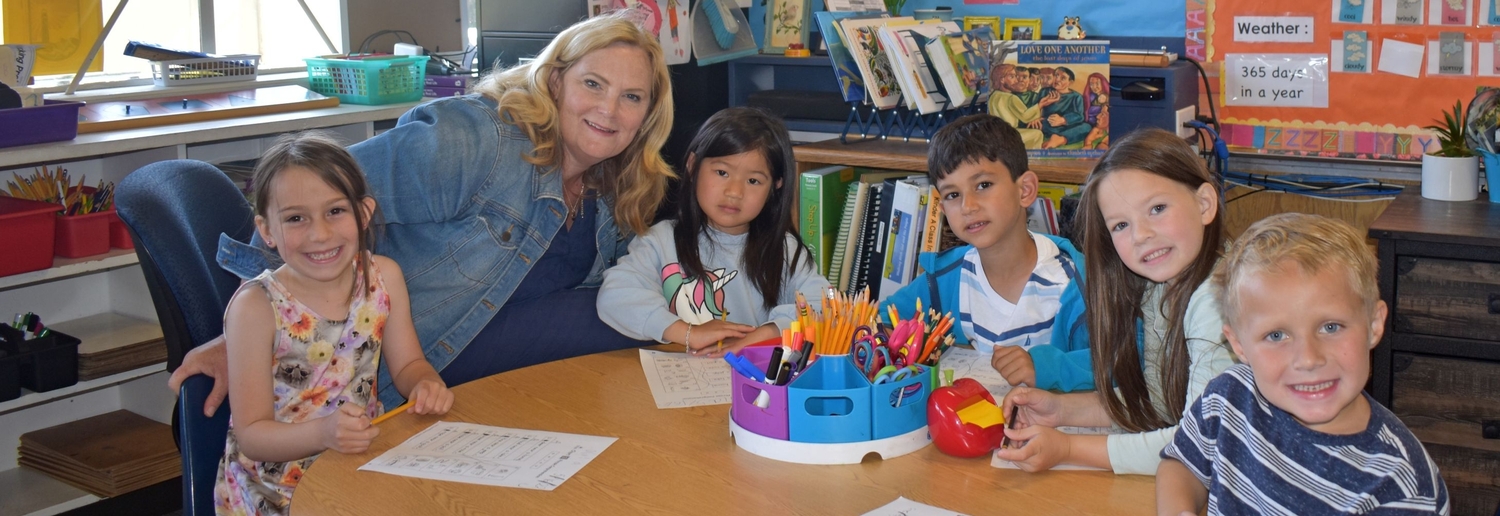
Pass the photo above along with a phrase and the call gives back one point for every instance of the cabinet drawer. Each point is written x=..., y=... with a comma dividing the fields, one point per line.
x=1449, y=298
x=1448, y=403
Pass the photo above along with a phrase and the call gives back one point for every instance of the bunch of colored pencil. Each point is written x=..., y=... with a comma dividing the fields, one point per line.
x=54, y=186
x=832, y=329
x=937, y=339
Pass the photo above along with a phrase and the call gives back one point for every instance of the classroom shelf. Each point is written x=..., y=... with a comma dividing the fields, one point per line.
x=31, y=493
x=63, y=268
x=29, y=399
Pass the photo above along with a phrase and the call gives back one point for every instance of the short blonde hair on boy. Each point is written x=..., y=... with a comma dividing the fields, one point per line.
x=1312, y=241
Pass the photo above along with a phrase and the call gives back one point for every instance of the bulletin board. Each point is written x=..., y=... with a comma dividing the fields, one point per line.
x=1373, y=115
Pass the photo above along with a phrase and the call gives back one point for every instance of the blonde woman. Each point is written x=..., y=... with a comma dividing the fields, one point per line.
x=505, y=206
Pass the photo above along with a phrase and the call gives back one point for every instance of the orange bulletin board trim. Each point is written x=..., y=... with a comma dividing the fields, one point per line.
x=1361, y=106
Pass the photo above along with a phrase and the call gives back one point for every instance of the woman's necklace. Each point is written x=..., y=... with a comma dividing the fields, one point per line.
x=575, y=211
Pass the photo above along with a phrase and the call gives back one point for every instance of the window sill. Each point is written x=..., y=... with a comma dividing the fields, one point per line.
x=147, y=91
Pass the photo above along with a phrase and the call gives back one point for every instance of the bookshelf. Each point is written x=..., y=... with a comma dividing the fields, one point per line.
x=912, y=156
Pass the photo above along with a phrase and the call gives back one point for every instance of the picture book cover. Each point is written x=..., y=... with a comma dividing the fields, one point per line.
x=968, y=55
x=845, y=71
x=861, y=37
x=924, y=91
x=1056, y=93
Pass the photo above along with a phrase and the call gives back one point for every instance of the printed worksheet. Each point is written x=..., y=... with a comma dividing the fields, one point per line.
x=490, y=455
x=680, y=380
x=904, y=507
x=968, y=363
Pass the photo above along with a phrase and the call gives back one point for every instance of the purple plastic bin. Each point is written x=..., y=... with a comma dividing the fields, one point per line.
x=770, y=421
x=54, y=122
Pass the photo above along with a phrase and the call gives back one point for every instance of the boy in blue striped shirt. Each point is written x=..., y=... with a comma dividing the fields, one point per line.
x=1011, y=291
x=1290, y=431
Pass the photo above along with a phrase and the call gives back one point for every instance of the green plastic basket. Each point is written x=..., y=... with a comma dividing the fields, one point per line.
x=370, y=81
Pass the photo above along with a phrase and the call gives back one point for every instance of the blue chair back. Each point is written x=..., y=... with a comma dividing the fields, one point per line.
x=175, y=211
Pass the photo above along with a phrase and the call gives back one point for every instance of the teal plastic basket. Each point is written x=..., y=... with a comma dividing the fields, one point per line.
x=369, y=81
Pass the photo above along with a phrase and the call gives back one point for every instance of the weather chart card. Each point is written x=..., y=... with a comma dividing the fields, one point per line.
x=490, y=455
x=680, y=380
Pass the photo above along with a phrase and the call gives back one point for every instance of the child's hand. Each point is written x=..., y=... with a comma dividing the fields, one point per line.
x=1036, y=407
x=1041, y=448
x=764, y=332
x=1014, y=364
x=431, y=396
x=348, y=430
x=705, y=337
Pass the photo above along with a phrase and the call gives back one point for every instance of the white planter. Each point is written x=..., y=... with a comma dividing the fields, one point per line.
x=1450, y=179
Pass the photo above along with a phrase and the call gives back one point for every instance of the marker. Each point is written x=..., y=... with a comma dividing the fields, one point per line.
x=774, y=365
x=785, y=375
x=744, y=367
x=1010, y=424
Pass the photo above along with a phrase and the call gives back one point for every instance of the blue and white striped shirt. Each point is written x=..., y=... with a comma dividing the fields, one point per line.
x=1258, y=459
x=989, y=320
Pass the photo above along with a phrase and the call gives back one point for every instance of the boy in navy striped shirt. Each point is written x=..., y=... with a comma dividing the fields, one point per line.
x=1290, y=430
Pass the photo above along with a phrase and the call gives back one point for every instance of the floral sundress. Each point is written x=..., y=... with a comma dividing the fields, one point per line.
x=319, y=364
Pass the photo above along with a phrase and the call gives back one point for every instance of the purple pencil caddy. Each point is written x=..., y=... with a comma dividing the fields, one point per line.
x=770, y=421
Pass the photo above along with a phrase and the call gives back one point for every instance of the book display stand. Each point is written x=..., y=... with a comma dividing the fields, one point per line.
x=900, y=122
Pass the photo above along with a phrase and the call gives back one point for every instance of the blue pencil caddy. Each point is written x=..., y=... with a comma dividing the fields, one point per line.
x=830, y=403
x=900, y=406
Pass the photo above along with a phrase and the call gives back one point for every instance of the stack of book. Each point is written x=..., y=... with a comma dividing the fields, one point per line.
x=867, y=227
x=114, y=343
x=107, y=455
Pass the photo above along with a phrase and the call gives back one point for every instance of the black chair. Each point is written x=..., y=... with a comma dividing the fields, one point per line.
x=175, y=211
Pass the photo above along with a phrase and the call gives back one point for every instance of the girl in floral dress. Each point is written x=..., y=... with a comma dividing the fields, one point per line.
x=319, y=323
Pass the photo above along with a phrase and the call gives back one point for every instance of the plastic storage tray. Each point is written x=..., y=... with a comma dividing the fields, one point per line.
x=82, y=235
x=43, y=363
x=829, y=403
x=53, y=122
x=372, y=80
x=28, y=228
x=208, y=70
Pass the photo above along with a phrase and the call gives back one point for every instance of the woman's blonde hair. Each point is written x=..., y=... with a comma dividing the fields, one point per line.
x=635, y=179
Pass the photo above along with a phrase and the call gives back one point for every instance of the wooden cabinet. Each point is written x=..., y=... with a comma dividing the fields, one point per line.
x=1438, y=367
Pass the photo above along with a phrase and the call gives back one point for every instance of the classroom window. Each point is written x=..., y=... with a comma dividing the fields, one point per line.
x=278, y=30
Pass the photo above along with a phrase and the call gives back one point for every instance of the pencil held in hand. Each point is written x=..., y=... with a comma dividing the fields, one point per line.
x=391, y=413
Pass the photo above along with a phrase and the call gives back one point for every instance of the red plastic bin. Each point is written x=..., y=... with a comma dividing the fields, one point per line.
x=83, y=235
x=27, y=227
x=119, y=235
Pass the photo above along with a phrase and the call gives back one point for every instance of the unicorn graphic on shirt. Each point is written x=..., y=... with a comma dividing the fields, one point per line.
x=695, y=300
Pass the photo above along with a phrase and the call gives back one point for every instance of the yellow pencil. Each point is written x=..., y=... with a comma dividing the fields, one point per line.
x=389, y=413
x=723, y=317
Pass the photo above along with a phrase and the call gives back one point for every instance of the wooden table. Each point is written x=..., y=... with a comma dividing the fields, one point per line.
x=683, y=461
x=895, y=154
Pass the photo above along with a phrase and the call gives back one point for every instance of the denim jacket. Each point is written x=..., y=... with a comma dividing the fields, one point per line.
x=463, y=215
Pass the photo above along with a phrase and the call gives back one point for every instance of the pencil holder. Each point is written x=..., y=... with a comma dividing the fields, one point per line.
x=10, y=376
x=770, y=421
x=119, y=234
x=78, y=236
x=829, y=403
x=28, y=228
x=45, y=363
x=900, y=406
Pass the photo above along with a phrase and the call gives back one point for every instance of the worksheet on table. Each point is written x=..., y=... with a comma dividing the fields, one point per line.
x=680, y=380
x=905, y=507
x=490, y=455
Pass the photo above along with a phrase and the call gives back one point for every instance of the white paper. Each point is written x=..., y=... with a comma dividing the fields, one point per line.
x=1400, y=58
x=1437, y=60
x=904, y=507
x=1276, y=80
x=1487, y=59
x=680, y=380
x=1273, y=29
x=492, y=456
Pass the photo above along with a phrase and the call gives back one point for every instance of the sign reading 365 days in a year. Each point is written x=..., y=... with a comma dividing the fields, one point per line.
x=1276, y=80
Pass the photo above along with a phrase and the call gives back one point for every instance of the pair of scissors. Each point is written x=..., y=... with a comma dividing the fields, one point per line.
x=905, y=342
x=869, y=358
x=896, y=374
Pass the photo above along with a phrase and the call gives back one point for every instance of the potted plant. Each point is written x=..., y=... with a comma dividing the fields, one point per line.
x=894, y=6
x=1452, y=172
